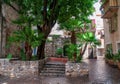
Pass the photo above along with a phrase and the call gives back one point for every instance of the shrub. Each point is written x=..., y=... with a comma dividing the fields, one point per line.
x=59, y=51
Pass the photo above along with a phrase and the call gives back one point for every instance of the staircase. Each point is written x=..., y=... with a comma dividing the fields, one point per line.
x=53, y=69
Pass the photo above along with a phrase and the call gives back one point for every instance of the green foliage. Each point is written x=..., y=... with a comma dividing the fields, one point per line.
x=9, y=56
x=47, y=12
x=22, y=55
x=70, y=51
x=117, y=56
x=59, y=51
x=109, y=54
x=77, y=8
x=34, y=58
x=88, y=37
x=61, y=10
x=103, y=1
x=26, y=35
x=79, y=59
x=55, y=36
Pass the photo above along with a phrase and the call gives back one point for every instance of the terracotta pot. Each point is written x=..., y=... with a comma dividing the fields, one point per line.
x=111, y=62
x=118, y=64
x=106, y=60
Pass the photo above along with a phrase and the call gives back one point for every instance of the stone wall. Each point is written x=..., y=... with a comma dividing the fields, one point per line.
x=20, y=68
x=9, y=15
x=76, y=69
x=51, y=47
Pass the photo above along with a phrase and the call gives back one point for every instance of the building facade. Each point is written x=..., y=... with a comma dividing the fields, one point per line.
x=111, y=18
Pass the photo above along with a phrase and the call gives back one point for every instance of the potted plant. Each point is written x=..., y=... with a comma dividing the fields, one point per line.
x=109, y=56
x=118, y=59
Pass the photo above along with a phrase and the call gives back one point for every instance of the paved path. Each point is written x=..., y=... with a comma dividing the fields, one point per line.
x=100, y=73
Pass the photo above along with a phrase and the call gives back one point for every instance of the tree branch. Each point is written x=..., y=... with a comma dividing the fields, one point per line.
x=13, y=7
x=45, y=11
x=53, y=16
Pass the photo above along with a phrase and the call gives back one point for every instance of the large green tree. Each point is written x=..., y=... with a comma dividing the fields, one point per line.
x=45, y=13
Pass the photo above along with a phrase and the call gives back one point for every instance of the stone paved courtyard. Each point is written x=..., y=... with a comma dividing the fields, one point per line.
x=100, y=73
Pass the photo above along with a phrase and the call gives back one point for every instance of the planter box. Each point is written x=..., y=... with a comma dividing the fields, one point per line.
x=63, y=60
x=20, y=68
x=76, y=69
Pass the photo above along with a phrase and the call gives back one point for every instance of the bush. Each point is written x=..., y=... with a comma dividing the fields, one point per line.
x=109, y=54
x=59, y=51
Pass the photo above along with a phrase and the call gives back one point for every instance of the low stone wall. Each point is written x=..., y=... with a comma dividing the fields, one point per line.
x=76, y=69
x=42, y=63
x=20, y=68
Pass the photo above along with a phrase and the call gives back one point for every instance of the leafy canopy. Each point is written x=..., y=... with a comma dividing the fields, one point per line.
x=42, y=11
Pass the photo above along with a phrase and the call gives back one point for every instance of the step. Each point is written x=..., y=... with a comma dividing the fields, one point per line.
x=48, y=71
x=52, y=74
x=53, y=69
x=58, y=69
x=54, y=66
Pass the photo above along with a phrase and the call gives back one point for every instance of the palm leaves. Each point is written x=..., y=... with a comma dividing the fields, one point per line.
x=88, y=37
x=26, y=35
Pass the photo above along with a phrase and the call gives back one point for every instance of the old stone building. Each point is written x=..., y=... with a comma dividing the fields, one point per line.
x=7, y=15
x=111, y=15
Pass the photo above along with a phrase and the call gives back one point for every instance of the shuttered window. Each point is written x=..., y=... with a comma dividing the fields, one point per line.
x=113, y=23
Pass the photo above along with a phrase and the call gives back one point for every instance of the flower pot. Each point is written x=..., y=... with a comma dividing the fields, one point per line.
x=112, y=62
x=118, y=64
x=106, y=60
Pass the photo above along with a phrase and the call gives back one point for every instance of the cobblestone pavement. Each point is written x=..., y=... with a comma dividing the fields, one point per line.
x=100, y=73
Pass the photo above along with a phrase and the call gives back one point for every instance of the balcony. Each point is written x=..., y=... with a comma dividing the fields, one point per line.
x=109, y=8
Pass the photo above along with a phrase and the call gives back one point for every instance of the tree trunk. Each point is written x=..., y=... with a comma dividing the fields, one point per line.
x=83, y=51
x=41, y=47
x=28, y=51
x=40, y=51
x=73, y=41
x=91, y=54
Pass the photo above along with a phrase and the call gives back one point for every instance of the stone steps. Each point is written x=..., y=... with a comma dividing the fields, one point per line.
x=51, y=75
x=53, y=69
x=55, y=65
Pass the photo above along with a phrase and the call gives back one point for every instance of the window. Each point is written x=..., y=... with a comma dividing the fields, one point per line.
x=113, y=23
